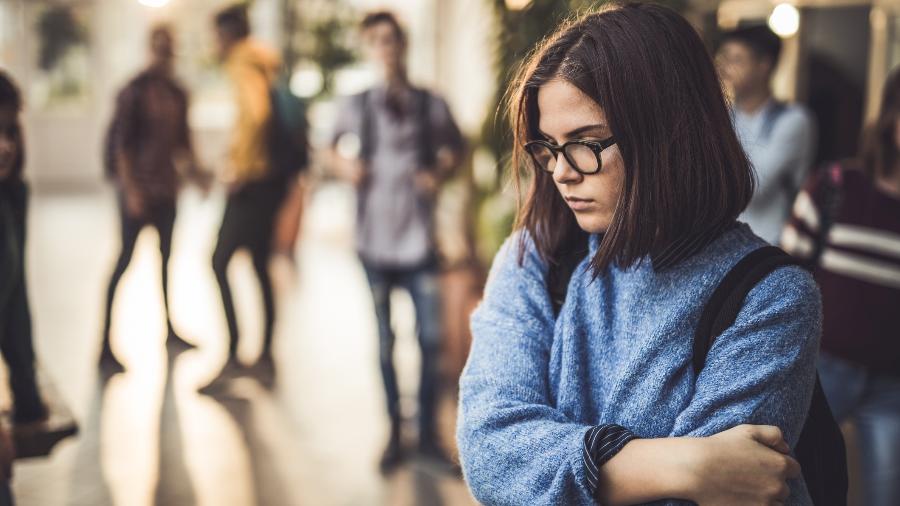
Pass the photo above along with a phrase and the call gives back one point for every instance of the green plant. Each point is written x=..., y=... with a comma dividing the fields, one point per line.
x=320, y=31
x=58, y=31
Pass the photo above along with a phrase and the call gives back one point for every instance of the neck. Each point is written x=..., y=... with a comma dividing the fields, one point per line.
x=397, y=79
x=161, y=67
x=753, y=101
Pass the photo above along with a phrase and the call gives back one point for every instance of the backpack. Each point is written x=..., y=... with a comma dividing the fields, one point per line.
x=288, y=127
x=820, y=449
x=771, y=117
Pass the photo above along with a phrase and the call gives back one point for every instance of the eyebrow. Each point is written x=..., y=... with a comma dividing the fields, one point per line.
x=578, y=131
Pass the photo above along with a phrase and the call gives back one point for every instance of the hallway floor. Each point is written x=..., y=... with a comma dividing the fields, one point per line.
x=148, y=438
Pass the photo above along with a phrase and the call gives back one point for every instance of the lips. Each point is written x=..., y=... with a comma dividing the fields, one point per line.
x=579, y=204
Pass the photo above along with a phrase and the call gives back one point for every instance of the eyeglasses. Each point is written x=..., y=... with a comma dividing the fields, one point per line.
x=583, y=156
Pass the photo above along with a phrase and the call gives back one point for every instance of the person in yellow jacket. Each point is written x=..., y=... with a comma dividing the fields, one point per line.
x=255, y=193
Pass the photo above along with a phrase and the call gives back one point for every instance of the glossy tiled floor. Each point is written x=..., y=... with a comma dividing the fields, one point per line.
x=148, y=437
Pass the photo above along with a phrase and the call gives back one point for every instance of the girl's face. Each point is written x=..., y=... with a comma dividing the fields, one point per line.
x=9, y=146
x=568, y=114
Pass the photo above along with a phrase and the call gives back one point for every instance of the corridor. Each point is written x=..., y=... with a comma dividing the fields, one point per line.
x=147, y=437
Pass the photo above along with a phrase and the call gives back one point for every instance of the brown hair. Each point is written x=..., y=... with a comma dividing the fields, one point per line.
x=234, y=21
x=761, y=40
x=11, y=99
x=377, y=17
x=880, y=154
x=686, y=174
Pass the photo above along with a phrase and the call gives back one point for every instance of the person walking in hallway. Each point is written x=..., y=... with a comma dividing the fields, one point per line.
x=148, y=148
x=255, y=192
x=34, y=424
x=778, y=138
x=846, y=225
x=408, y=145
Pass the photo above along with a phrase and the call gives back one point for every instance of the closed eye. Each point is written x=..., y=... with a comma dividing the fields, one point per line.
x=587, y=132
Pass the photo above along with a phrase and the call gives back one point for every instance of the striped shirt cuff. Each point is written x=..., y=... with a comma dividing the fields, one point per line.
x=602, y=443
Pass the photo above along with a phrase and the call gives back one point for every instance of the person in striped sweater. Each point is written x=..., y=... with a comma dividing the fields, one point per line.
x=846, y=224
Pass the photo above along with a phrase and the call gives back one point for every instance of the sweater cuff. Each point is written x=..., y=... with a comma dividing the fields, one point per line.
x=601, y=443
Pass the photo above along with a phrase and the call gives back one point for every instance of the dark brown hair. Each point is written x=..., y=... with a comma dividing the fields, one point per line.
x=686, y=174
x=11, y=100
x=880, y=154
x=761, y=40
x=377, y=17
x=234, y=21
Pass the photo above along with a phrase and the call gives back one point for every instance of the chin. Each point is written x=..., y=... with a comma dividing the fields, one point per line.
x=592, y=224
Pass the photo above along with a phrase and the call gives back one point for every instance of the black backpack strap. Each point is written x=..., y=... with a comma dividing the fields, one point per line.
x=727, y=299
x=771, y=117
x=820, y=447
x=367, y=127
x=822, y=454
x=427, y=151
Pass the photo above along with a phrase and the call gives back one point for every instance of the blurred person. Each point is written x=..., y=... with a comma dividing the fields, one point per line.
x=31, y=418
x=779, y=138
x=7, y=454
x=15, y=317
x=583, y=383
x=408, y=145
x=846, y=224
x=148, y=141
x=255, y=194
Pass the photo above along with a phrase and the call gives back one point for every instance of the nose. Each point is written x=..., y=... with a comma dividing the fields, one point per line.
x=563, y=173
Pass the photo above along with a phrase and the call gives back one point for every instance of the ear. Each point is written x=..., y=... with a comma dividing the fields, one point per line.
x=768, y=65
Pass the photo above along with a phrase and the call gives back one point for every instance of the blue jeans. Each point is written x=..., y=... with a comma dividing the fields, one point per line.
x=422, y=284
x=872, y=403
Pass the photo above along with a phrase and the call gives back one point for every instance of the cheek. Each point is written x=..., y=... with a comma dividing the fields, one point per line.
x=7, y=145
x=613, y=175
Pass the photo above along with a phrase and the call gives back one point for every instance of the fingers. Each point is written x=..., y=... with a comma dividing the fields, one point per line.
x=770, y=436
x=792, y=468
x=777, y=494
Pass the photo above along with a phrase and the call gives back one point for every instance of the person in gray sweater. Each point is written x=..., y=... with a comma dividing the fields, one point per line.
x=779, y=138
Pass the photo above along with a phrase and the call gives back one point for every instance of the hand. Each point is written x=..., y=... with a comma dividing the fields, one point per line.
x=427, y=182
x=134, y=204
x=748, y=464
x=355, y=172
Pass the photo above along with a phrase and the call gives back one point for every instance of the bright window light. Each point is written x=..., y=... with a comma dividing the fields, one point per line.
x=154, y=3
x=785, y=20
x=307, y=81
x=517, y=5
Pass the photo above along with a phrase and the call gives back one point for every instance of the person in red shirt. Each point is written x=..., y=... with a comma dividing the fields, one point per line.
x=846, y=224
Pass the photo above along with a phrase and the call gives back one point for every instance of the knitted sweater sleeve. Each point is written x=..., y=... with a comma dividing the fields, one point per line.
x=761, y=370
x=515, y=448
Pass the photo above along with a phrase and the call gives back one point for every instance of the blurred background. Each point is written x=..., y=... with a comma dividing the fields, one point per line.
x=315, y=436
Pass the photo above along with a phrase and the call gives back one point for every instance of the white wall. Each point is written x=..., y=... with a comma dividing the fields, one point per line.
x=451, y=51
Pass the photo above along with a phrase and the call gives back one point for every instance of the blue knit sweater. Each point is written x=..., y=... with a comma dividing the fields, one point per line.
x=620, y=352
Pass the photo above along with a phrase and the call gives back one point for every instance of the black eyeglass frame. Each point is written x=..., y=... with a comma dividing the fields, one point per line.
x=596, y=147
